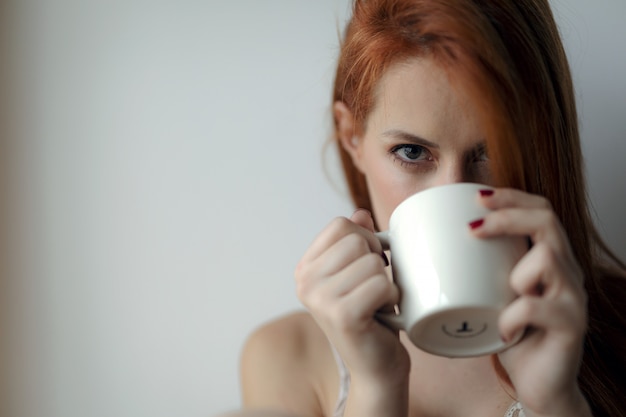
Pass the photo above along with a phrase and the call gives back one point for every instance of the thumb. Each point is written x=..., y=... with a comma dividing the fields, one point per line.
x=363, y=218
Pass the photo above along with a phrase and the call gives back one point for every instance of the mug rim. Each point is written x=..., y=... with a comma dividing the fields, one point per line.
x=434, y=189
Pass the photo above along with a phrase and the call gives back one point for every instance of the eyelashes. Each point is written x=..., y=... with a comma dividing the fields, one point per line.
x=413, y=156
x=410, y=154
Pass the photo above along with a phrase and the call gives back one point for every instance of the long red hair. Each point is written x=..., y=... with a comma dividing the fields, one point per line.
x=508, y=56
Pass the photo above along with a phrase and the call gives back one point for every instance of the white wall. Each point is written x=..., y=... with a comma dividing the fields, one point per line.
x=171, y=176
x=594, y=36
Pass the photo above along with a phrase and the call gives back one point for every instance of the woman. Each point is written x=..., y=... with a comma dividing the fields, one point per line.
x=429, y=93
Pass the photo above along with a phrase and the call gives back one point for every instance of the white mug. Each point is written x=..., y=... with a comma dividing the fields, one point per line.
x=453, y=285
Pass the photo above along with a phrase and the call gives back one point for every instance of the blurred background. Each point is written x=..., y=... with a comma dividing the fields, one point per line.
x=167, y=170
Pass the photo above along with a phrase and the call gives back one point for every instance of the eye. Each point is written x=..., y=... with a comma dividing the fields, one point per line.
x=479, y=166
x=411, y=153
x=480, y=155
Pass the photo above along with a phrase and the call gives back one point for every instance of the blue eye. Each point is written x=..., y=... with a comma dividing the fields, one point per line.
x=411, y=153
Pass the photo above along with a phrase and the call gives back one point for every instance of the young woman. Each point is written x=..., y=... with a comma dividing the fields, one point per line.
x=428, y=93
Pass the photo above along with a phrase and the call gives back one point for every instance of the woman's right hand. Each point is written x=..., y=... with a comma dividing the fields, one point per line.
x=341, y=280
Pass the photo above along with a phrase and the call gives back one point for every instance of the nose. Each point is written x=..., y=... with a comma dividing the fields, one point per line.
x=452, y=172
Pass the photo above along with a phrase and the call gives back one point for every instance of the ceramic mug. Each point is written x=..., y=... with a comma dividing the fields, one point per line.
x=453, y=285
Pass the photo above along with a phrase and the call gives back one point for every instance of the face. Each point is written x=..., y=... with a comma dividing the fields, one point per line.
x=421, y=133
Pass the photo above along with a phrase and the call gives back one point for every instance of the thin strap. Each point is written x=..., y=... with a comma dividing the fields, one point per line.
x=344, y=384
x=515, y=410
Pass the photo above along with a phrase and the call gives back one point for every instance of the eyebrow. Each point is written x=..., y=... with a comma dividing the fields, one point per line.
x=409, y=137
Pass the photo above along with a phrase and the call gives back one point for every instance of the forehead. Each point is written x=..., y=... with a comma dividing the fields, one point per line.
x=418, y=95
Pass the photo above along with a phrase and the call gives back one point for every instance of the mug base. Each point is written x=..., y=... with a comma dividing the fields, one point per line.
x=460, y=332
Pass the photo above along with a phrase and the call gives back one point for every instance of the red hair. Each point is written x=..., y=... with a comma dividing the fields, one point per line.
x=508, y=56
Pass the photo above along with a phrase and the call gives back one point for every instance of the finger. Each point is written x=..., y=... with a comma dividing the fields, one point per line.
x=517, y=317
x=565, y=316
x=356, y=274
x=515, y=212
x=500, y=198
x=339, y=228
x=338, y=256
x=325, y=292
x=364, y=301
x=535, y=273
x=364, y=219
x=540, y=225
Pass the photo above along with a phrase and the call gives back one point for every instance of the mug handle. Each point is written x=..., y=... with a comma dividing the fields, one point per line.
x=393, y=320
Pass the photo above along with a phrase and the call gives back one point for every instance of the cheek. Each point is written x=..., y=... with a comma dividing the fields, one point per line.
x=387, y=188
x=482, y=174
x=384, y=201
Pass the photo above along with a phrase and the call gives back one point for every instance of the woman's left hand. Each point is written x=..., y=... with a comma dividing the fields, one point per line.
x=551, y=308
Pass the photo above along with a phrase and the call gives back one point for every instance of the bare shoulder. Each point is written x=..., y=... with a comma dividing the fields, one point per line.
x=293, y=332
x=285, y=366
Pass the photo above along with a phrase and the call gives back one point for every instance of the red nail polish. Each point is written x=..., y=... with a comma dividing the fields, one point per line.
x=486, y=193
x=476, y=223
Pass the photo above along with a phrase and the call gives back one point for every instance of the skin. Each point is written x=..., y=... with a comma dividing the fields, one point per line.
x=421, y=133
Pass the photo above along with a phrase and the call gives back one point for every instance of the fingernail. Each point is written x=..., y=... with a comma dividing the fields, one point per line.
x=385, y=259
x=476, y=223
x=504, y=339
x=486, y=193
